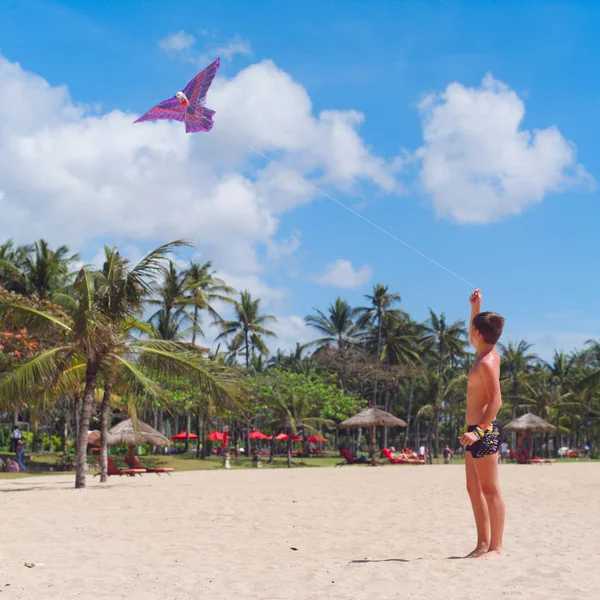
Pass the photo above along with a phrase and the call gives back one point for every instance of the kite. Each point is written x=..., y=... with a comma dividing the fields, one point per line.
x=188, y=106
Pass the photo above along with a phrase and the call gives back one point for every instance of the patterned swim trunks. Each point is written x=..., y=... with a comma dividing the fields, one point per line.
x=489, y=443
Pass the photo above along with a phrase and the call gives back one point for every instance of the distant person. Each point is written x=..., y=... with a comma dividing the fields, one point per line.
x=588, y=454
x=504, y=452
x=447, y=455
x=17, y=435
x=20, y=452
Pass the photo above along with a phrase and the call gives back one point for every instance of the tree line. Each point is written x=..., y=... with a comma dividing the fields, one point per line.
x=77, y=342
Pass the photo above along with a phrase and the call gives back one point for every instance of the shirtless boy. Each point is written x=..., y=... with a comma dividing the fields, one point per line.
x=482, y=437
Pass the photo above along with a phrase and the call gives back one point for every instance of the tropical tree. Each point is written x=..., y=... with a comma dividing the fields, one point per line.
x=171, y=302
x=45, y=271
x=203, y=289
x=516, y=368
x=247, y=328
x=339, y=328
x=97, y=346
x=381, y=304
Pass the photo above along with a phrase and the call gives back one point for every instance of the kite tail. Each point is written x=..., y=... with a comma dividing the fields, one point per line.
x=199, y=119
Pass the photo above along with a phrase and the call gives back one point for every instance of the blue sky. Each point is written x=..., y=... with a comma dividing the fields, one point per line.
x=515, y=215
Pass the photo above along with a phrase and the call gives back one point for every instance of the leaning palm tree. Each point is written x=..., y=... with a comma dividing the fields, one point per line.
x=248, y=327
x=95, y=346
x=203, y=290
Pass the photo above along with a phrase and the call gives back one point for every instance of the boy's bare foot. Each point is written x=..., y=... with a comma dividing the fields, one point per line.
x=479, y=551
x=492, y=554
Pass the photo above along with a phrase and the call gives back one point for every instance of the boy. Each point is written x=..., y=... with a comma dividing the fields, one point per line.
x=482, y=437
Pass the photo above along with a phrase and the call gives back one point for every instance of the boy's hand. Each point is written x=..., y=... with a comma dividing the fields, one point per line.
x=466, y=439
x=475, y=300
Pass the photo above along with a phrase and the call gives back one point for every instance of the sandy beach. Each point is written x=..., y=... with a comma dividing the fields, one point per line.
x=307, y=534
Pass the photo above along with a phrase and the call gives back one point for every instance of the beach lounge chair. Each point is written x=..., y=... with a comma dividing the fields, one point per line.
x=157, y=470
x=112, y=469
x=349, y=459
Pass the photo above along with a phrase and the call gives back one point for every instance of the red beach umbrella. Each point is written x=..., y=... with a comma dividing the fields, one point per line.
x=182, y=436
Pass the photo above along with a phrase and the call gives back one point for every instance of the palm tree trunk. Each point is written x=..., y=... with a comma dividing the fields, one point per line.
x=188, y=423
x=247, y=351
x=410, y=399
x=198, y=433
x=195, y=325
x=374, y=401
x=386, y=407
x=104, y=410
x=289, y=448
x=84, y=423
x=373, y=458
x=272, y=450
x=203, y=452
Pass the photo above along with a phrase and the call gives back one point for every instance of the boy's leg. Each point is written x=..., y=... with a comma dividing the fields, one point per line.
x=480, y=508
x=486, y=468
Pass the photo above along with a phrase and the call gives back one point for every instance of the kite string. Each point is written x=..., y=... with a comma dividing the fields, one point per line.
x=322, y=192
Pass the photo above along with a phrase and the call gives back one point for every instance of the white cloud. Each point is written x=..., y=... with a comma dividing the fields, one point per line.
x=183, y=45
x=342, y=274
x=236, y=45
x=269, y=295
x=73, y=176
x=176, y=42
x=279, y=250
x=290, y=330
x=479, y=165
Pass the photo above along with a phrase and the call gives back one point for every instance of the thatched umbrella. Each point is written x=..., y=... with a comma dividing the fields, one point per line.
x=528, y=424
x=371, y=418
x=129, y=435
x=94, y=438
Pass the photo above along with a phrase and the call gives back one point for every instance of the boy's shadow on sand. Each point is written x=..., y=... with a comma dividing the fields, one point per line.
x=400, y=560
x=379, y=560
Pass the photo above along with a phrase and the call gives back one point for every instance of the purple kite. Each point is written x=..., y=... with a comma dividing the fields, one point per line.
x=188, y=106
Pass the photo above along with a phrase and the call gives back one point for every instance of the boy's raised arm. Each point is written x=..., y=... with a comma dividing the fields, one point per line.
x=475, y=301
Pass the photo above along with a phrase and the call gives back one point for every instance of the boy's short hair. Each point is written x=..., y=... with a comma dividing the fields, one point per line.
x=489, y=325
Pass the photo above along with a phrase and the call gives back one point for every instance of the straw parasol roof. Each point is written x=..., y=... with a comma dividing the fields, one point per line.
x=125, y=433
x=94, y=438
x=372, y=417
x=530, y=423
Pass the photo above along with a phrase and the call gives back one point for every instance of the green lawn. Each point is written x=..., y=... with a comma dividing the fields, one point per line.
x=41, y=464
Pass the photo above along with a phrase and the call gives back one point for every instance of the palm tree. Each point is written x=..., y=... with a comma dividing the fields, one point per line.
x=381, y=305
x=444, y=342
x=96, y=346
x=401, y=346
x=45, y=271
x=340, y=327
x=516, y=367
x=203, y=289
x=171, y=302
x=247, y=328
x=11, y=276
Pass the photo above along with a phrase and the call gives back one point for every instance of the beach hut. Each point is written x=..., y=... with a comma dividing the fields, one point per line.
x=529, y=424
x=371, y=418
x=127, y=434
